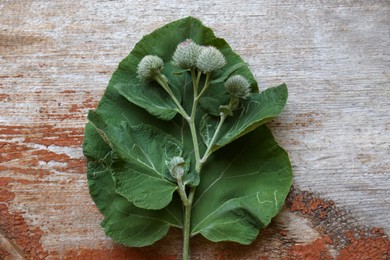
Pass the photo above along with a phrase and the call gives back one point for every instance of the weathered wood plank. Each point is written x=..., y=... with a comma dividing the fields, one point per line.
x=56, y=58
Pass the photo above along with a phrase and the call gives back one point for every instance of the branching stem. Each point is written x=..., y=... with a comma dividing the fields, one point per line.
x=205, y=87
x=187, y=200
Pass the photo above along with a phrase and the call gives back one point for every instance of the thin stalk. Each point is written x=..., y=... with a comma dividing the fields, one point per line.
x=223, y=115
x=195, y=80
x=206, y=85
x=208, y=151
x=187, y=225
x=198, y=77
x=182, y=193
x=186, y=232
x=163, y=83
x=195, y=142
x=192, y=123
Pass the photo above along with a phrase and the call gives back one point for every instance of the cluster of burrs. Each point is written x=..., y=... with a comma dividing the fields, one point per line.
x=198, y=60
x=191, y=56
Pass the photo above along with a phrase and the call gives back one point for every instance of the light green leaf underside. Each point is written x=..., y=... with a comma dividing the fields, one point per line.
x=242, y=188
x=153, y=98
x=127, y=224
x=141, y=178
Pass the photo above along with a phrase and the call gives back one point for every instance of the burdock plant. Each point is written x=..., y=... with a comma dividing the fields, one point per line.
x=178, y=140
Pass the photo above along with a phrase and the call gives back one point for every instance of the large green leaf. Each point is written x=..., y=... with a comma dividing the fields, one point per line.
x=242, y=188
x=127, y=140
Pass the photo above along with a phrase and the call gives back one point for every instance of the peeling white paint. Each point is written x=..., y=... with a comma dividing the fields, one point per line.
x=72, y=152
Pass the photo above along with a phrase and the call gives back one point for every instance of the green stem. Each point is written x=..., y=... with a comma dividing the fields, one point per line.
x=196, y=144
x=186, y=232
x=192, y=123
x=163, y=83
x=195, y=81
x=190, y=198
x=213, y=139
x=187, y=225
x=187, y=201
x=206, y=85
x=198, y=77
x=182, y=193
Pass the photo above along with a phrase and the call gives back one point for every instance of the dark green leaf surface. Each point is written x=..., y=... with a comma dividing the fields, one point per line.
x=136, y=129
x=210, y=105
x=258, y=109
x=242, y=188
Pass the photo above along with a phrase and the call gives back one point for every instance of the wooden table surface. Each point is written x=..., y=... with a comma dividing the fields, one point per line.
x=56, y=58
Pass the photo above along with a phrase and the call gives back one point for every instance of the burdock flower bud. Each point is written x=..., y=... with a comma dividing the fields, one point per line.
x=210, y=59
x=176, y=167
x=149, y=67
x=186, y=54
x=238, y=86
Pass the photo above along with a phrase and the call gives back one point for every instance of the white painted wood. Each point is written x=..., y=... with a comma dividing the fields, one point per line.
x=56, y=58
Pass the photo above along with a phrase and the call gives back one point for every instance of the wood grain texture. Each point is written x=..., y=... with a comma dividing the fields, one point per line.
x=56, y=58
